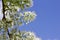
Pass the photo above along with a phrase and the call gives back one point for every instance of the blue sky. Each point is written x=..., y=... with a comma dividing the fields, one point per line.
x=47, y=23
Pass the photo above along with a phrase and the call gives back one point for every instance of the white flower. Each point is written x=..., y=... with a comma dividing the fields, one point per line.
x=7, y=15
x=30, y=35
x=37, y=39
x=30, y=4
x=29, y=16
x=16, y=7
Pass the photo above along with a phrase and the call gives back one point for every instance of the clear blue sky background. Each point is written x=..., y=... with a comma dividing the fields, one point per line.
x=47, y=23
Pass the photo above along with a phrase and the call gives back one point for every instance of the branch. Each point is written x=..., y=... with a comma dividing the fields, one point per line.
x=3, y=9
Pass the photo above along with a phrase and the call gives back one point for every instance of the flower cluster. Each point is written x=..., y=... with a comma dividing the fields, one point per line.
x=25, y=36
x=14, y=18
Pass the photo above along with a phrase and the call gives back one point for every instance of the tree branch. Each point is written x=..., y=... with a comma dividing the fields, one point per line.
x=3, y=10
x=4, y=19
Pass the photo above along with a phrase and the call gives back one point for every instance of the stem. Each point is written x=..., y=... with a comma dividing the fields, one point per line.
x=3, y=10
x=10, y=35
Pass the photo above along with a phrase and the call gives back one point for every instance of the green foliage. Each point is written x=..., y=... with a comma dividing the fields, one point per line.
x=13, y=4
x=22, y=36
x=14, y=18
